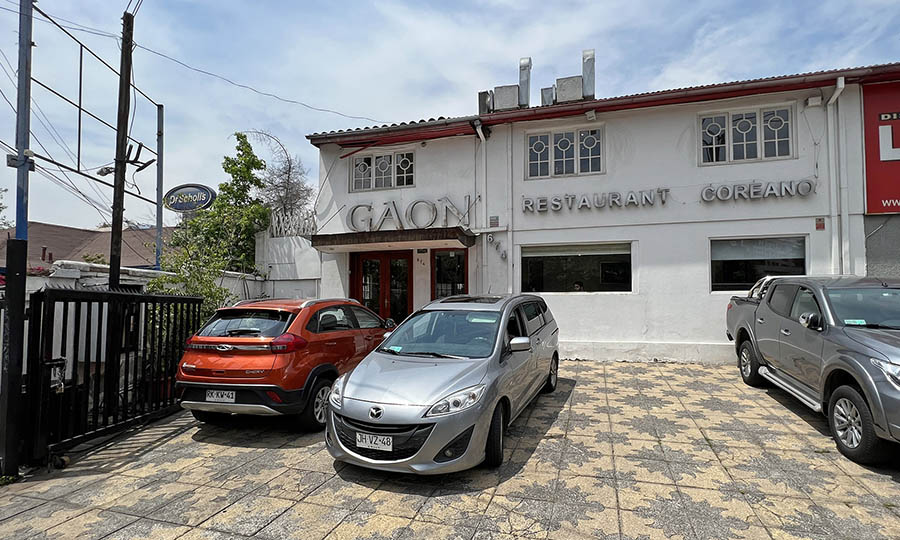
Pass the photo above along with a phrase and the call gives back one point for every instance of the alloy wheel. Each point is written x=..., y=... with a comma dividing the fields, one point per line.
x=320, y=404
x=847, y=423
x=745, y=362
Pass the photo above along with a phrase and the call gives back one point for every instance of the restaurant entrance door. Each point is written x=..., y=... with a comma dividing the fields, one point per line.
x=383, y=282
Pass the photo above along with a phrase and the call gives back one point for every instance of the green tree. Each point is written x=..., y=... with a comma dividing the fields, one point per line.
x=4, y=223
x=220, y=238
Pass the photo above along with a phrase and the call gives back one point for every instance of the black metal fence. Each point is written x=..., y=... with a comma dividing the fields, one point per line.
x=98, y=361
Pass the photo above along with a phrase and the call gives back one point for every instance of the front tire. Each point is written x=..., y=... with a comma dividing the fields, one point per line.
x=852, y=427
x=313, y=416
x=749, y=365
x=493, y=451
x=552, y=377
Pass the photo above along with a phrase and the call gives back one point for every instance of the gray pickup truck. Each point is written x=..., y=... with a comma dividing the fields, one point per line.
x=834, y=344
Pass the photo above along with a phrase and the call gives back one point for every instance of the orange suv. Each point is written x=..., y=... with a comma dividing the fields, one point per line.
x=272, y=357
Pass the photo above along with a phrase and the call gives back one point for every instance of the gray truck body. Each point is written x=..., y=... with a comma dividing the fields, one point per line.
x=811, y=362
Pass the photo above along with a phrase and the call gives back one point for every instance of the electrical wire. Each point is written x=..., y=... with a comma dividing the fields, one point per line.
x=88, y=29
x=54, y=134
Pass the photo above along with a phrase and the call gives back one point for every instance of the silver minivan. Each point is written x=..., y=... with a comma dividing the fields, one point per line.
x=438, y=394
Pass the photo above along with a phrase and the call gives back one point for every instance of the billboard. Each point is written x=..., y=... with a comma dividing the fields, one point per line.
x=881, y=118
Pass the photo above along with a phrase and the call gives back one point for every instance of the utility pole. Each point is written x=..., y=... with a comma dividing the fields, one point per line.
x=16, y=261
x=115, y=244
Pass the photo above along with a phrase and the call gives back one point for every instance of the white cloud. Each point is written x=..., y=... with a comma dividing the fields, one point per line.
x=397, y=61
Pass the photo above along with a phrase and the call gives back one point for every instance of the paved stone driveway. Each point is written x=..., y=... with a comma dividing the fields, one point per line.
x=620, y=450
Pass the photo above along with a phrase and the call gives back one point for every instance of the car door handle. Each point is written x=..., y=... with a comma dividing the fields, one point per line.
x=370, y=338
x=330, y=343
x=785, y=332
x=760, y=320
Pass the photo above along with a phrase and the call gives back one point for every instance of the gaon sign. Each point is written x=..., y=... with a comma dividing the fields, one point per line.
x=881, y=117
x=419, y=214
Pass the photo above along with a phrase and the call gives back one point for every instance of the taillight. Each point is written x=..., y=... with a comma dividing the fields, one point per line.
x=729, y=306
x=287, y=343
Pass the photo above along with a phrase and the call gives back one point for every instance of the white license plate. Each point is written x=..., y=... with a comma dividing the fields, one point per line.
x=220, y=396
x=374, y=442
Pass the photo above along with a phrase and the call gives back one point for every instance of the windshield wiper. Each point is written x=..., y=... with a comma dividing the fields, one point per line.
x=879, y=326
x=242, y=331
x=435, y=355
x=389, y=351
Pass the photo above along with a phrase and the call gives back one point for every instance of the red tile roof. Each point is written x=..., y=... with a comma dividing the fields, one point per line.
x=443, y=127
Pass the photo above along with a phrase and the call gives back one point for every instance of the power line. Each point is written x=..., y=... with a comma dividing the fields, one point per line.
x=196, y=69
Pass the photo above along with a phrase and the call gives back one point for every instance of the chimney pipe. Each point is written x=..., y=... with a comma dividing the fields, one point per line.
x=587, y=73
x=524, y=81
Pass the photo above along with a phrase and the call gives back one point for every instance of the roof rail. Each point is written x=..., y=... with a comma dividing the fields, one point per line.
x=320, y=300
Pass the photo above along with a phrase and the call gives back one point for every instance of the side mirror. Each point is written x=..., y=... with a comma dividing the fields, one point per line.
x=389, y=323
x=812, y=321
x=387, y=334
x=519, y=344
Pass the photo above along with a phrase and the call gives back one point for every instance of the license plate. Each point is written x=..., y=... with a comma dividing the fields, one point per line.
x=374, y=442
x=220, y=396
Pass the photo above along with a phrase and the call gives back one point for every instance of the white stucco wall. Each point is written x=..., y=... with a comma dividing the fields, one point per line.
x=671, y=312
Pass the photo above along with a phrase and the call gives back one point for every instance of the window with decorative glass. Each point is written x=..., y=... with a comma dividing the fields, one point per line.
x=564, y=153
x=382, y=171
x=746, y=135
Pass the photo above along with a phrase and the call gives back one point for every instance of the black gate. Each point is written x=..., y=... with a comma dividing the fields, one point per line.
x=99, y=361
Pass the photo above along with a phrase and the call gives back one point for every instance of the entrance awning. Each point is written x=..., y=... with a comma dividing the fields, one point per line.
x=438, y=237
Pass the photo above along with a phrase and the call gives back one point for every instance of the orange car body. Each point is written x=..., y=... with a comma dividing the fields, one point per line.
x=236, y=371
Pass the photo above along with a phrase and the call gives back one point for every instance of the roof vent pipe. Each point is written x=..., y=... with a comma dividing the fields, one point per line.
x=587, y=73
x=524, y=81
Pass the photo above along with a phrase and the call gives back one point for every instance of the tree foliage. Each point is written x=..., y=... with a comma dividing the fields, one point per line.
x=4, y=223
x=286, y=187
x=220, y=238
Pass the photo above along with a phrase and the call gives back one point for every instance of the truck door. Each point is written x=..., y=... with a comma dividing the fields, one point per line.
x=801, y=347
x=771, y=313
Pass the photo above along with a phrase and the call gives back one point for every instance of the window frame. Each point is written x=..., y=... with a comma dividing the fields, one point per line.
x=633, y=262
x=551, y=133
x=353, y=309
x=373, y=156
x=815, y=298
x=731, y=292
x=729, y=141
x=316, y=315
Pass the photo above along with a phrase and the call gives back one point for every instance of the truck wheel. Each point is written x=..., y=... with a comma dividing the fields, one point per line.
x=749, y=365
x=493, y=450
x=852, y=427
x=313, y=416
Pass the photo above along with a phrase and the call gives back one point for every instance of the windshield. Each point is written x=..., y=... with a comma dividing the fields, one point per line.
x=445, y=334
x=866, y=307
x=247, y=323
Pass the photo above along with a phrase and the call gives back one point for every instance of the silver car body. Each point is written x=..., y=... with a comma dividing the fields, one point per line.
x=388, y=394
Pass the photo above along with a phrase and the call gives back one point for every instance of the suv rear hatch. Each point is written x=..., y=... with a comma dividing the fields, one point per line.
x=236, y=343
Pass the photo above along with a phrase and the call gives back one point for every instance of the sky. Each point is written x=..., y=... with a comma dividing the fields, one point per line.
x=386, y=61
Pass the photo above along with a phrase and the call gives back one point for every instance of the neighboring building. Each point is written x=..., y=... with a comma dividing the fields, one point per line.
x=48, y=243
x=635, y=217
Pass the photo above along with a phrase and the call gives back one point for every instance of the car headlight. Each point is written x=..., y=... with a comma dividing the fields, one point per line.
x=458, y=401
x=337, y=392
x=891, y=370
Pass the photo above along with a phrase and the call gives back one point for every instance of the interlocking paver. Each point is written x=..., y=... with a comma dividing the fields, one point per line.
x=620, y=450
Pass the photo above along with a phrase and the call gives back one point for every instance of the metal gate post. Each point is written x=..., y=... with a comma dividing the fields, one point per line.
x=11, y=377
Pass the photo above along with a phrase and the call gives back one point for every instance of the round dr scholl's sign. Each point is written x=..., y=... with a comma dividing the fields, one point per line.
x=189, y=197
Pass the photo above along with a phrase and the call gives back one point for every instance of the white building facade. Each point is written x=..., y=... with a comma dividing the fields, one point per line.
x=635, y=218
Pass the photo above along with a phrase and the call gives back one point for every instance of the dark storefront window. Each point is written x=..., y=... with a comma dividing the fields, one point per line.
x=449, y=267
x=575, y=268
x=737, y=264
